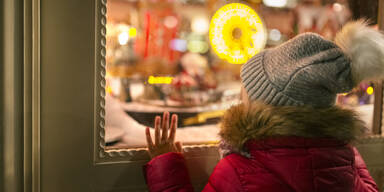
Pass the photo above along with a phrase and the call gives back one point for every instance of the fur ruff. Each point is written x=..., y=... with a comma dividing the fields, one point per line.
x=365, y=47
x=259, y=121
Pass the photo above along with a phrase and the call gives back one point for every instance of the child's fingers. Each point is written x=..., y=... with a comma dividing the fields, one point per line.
x=172, y=132
x=179, y=146
x=149, y=139
x=164, y=127
x=157, y=130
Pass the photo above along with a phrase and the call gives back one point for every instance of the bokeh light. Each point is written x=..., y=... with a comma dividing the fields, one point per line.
x=237, y=33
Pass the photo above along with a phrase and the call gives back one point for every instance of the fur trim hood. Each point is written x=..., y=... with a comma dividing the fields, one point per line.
x=259, y=121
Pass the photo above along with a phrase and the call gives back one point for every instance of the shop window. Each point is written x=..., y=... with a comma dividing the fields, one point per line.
x=159, y=58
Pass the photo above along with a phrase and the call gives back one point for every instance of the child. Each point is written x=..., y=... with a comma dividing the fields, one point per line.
x=287, y=135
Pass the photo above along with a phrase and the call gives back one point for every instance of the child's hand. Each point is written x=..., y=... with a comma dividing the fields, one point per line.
x=163, y=142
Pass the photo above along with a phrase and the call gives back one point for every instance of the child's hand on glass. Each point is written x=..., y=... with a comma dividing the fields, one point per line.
x=164, y=136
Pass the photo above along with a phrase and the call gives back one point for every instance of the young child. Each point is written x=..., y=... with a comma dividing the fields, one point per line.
x=287, y=135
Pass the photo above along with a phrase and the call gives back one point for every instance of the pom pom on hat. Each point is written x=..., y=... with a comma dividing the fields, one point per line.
x=365, y=47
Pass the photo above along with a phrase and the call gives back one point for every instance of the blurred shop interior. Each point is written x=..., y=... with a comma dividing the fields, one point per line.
x=169, y=55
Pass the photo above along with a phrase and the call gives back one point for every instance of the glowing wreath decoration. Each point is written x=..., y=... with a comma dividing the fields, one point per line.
x=236, y=33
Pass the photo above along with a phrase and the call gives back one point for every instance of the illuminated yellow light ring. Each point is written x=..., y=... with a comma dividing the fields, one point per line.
x=223, y=42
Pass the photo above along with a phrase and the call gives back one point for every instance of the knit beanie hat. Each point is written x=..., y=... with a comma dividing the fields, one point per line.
x=310, y=70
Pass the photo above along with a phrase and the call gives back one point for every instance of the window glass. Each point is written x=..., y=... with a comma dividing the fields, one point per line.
x=159, y=57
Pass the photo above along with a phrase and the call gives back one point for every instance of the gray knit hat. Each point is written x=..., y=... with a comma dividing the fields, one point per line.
x=309, y=70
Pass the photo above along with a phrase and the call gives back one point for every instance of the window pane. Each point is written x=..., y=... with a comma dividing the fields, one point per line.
x=159, y=57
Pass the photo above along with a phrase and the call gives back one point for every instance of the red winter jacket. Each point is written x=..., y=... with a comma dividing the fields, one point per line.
x=279, y=162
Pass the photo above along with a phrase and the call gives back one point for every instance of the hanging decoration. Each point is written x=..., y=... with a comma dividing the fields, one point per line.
x=236, y=33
